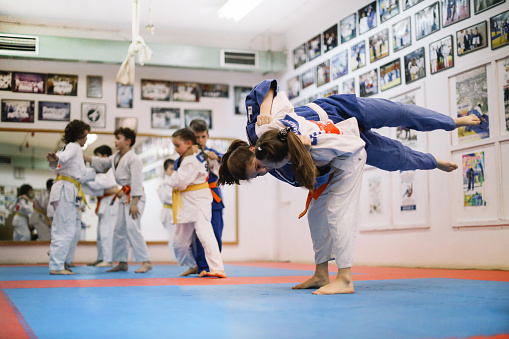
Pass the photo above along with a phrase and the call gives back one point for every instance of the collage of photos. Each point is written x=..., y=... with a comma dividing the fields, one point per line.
x=354, y=44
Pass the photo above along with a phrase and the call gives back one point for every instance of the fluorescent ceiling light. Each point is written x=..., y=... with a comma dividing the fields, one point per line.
x=237, y=9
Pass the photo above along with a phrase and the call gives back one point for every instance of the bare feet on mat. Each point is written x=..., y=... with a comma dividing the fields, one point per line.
x=315, y=281
x=189, y=271
x=446, y=166
x=469, y=120
x=336, y=287
x=203, y=274
x=121, y=267
x=103, y=264
x=147, y=266
x=61, y=272
x=67, y=267
x=217, y=274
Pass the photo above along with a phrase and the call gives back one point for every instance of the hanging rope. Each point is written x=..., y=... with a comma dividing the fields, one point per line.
x=125, y=75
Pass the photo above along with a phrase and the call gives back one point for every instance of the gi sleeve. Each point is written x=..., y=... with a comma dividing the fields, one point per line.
x=136, y=169
x=184, y=176
x=253, y=101
x=65, y=154
x=101, y=164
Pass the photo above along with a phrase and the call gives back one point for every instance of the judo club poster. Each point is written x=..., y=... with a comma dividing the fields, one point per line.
x=472, y=98
x=407, y=180
x=473, y=179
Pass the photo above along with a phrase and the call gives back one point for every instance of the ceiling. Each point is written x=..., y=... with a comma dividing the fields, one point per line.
x=186, y=22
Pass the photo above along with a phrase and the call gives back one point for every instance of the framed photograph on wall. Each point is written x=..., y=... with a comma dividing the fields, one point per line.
x=94, y=114
x=124, y=96
x=410, y=3
x=203, y=114
x=29, y=82
x=499, y=30
x=18, y=110
x=330, y=38
x=5, y=81
x=157, y=90
x=293, y=87
x=482, y=5
x=128, y=122
x=299, y=56
x=54, y=111
x=94, y=86
x=472, y=38
x=427, y=21
x=62, y=84
x=379, y=45
x=240, y=94
x=358, y=55
x=401, y=34
x=390, y=75
x=348, y=28
x=368, y=83
x=323, y=73
x=348, y=86
x=441, y=54
x=186, y=91
x=165, y=118
x=387, y=9
x=339, y=65
x=215, y=91
x=454, y=11
x=308, y=78
x=415, y=65
x=367, y=18
x=315, y=47
x=331, y=91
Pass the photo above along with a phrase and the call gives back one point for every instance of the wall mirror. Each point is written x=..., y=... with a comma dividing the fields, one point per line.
x=23, y=160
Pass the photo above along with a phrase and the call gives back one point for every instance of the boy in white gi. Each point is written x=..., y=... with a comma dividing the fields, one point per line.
x=66, y=195
x=191, y=205
x=22, y=209
x=39, y=218
x=127, y=168
x=164, y=191
x=104, y=188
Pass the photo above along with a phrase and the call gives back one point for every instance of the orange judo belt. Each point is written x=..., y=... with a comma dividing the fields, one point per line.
x=127, y=190
x=314, y=195
x=216, y=197
x=99, y=201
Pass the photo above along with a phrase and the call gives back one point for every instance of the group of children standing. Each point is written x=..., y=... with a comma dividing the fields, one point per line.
x=190, y=196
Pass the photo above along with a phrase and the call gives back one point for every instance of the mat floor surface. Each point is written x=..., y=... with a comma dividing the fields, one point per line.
x=255, y=301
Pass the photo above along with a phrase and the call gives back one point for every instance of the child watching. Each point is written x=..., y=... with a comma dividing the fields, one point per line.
x=127, y=168
x=22, y=209
x=201, y=132
x=191, y=205
x=164, y=191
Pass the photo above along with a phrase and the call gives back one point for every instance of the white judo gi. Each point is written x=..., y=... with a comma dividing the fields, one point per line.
x=195, y=213
x=106, y=212
x=164, y=192
x=39, y=217
x=22, y=209
x=128, y=173
x=66, y=226
x=333, y=215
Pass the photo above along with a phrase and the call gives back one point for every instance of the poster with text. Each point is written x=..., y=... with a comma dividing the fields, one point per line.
x=407, y=180
x=409, y=137
x=472, y=98
x=473, y=179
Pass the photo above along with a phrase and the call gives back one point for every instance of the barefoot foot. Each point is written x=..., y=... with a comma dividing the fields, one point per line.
x=469, y=120
x=121, y=267
x=446, y=166
x=147, y=266
x=313, y=282
x=203, y=274
x=190, y=270
x=338, y=286
x=218, y=274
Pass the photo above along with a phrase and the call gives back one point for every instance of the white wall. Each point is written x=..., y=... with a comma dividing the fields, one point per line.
x=441, y=245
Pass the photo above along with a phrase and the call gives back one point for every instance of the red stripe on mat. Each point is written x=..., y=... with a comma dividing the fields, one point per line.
x=9, y=321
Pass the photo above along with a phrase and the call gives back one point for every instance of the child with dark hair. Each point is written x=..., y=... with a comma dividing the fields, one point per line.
x=104, y=188
x=22, y=208
x=164, y=191
x=39, y=219
x=127, y=169
x=191, y=205
x=201, y=132
x=66, y=195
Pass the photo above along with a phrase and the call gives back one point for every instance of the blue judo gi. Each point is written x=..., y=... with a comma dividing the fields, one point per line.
x=382, y=152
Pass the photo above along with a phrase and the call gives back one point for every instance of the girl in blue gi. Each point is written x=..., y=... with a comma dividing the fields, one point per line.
x=22, y=208
x=338, y=154
x=201, y=131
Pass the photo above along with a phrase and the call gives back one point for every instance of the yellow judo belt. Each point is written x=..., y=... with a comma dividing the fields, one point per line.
x=177, y=197
x=168, y=206
x=48, y=220
x=76, y=183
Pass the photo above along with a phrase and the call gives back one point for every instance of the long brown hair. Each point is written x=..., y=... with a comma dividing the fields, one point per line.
x=276, y=145
x=233, y=163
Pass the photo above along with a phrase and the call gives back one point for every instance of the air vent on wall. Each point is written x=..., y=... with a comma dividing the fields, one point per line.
x=4, y=160
x=11, y=44
x=239, y=59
